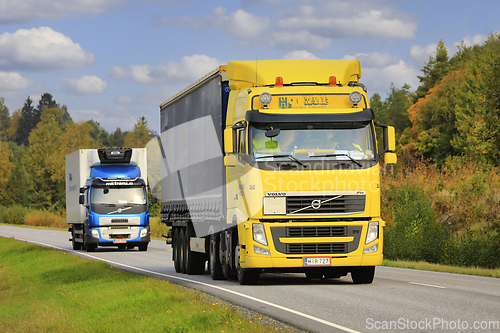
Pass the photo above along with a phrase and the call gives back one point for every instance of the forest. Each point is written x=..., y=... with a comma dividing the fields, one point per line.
x=441, y=201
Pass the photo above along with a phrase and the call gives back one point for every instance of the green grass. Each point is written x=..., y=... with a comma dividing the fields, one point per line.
x=44, y=290
x=442, y=268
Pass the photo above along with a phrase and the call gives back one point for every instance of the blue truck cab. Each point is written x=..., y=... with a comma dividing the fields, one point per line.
x=114, y=199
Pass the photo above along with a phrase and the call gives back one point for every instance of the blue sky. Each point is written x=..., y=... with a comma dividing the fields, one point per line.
x=117, y=60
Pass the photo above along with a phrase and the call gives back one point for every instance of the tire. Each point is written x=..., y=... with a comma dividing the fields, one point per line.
x=176, y=252
x=88, y=247
x=75, y=245
x=246, y=276
x=194, y=262
x=182, y=253
x=363, y=274
x=215, y=265
x=143, y=247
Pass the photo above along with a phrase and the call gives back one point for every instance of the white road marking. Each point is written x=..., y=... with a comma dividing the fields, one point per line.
x=277, y=306
x=428, y=285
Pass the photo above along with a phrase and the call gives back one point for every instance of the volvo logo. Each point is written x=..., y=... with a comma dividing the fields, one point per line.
x=316, y=204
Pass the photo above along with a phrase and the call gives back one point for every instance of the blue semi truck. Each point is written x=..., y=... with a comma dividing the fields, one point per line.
x=107, y=198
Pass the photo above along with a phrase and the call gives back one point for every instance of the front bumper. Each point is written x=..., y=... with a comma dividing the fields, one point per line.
x=290, y=243
x=109, y=236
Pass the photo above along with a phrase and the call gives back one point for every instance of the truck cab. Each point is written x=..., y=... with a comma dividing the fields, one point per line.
x=115, y=202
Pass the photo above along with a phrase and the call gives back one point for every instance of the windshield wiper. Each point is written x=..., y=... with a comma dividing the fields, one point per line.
x=289, y=156
x=335, y=155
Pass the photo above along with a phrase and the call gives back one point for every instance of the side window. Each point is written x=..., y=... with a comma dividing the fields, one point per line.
x=242, y=141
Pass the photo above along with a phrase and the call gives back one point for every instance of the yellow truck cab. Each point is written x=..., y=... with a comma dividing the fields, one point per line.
x=286, y=174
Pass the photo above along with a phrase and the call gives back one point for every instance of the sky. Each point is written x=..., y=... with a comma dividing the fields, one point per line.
x=115, y=61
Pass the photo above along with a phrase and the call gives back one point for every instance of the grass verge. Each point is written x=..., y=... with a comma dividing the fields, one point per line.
x=44, y=290
x=442, y=268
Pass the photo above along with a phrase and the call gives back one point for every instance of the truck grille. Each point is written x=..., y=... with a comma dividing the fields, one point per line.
x=282, y=237
x=316, y=248
x=334, y=231
x=325, y=204
x=119, y=236
x=113, y=221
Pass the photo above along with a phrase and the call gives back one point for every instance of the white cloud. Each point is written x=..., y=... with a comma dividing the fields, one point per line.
x=297, y=39
x=86, y=85
x=12, y=11
x=239, y=23
x=379, y=70
x=375, y=59
x=472, y=41
x=124, y=117
x=299, y=54
x=337, y=19
x=421, y=54
x=41, y=49
x=190, y=68
x=298, y=25
x=14, y=81
x=379, y=78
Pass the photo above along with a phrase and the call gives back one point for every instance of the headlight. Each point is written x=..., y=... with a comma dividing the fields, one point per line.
x=144, y=232
x=372, y=233
x=355, y=97
x=265, y=98
x=95, y=233
x=259, y=235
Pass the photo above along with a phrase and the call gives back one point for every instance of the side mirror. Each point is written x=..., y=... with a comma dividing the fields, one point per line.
x=390, y=158
x=229, y=143
x=82, y=190
x=81, y=199
x=389, y=138
x=230, y=160
x=389, y=144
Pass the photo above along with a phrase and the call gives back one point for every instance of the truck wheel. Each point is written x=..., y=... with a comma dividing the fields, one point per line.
x=90, y=247
x=143, y=247
x=246, y=276
x=76, y=245
x=180, y=248
x=215, y=265
x=363, y=274
x=194, y=261
x=229, y=270
x=176, y=252
x=87, y=246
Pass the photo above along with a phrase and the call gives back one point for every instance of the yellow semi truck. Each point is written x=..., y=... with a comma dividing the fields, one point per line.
x=273, y=166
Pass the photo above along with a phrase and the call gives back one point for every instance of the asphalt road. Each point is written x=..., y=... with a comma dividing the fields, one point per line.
x=397, y=300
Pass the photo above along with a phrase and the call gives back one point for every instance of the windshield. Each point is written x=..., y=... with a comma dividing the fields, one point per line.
x=118, y=195
x=307, y=141
x=118, y=200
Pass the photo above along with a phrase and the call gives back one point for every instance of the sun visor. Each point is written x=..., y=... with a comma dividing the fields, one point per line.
x=255, y=116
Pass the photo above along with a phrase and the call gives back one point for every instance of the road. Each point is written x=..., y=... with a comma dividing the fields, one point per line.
x=397, y=300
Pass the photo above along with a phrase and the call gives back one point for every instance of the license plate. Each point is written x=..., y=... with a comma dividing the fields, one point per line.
x=119, y=241
x=324, y=261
